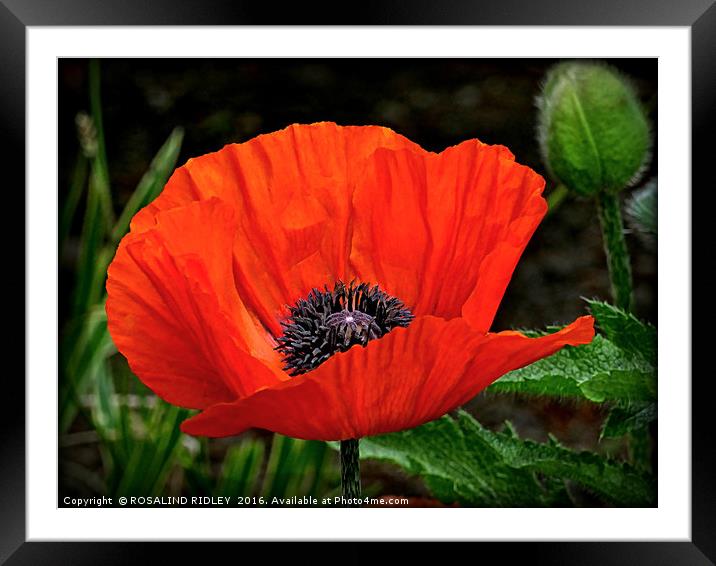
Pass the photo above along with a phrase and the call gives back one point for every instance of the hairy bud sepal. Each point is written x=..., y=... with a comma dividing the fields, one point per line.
x=592, y=130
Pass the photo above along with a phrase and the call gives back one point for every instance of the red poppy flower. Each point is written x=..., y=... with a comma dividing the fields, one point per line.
x=210, y=294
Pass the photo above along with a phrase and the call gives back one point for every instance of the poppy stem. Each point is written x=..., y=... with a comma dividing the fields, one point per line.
x=556, y=197
x=350, y=469
x=619, y=264
x=610, y=217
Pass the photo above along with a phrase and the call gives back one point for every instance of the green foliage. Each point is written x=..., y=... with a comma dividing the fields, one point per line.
x=460, y=460
x=618, y=367
x=593, y=132
x=251, y=468
x=556, y=197
x=297, y=467
x=151, y=182
x=86, y=347
x=86, y=341
x=623, y=420
x=626, y=331
x=139, y=443
x=74, y=194
x=241, y=470
x=641, y=211
x=597, y=372
x=615, y=249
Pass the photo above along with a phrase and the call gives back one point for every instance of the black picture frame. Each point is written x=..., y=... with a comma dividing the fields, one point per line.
x=17, y=15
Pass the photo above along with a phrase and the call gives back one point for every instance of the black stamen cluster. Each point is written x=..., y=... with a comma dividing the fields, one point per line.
x=327, y=322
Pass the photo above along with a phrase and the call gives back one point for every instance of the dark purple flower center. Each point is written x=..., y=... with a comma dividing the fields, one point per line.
x=331, y=321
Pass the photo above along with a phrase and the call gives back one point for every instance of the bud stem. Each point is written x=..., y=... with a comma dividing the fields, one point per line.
x=610, y=217
x=350, y=469
x=556, y=197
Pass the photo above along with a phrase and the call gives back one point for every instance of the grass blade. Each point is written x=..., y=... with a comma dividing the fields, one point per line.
x=279, y=466
x=241, y=469
x=77, y=185
x=83, y=352
x=151, y=182
x=100, y=166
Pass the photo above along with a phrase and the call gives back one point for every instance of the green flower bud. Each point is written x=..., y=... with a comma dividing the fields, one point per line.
x=593, y=132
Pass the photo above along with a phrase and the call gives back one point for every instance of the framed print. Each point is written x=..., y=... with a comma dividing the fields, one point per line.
x=396, y=279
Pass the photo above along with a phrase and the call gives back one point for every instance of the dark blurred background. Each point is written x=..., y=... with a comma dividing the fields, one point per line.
x=434, y=102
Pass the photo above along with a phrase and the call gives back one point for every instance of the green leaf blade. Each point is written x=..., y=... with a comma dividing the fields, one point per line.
x=462, y=461
x=151, y=183
x=618, y=367
x=623, y=420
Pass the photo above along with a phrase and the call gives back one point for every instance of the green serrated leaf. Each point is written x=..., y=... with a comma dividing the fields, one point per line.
x=598, y=372
x=618, y=367
x=625, y=330
x=622, y=420
x=460, y=460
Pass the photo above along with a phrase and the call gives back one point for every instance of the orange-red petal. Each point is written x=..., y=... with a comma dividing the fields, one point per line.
x=409, y=377
x=172, y=310
x=444, y=231
x=291, y=193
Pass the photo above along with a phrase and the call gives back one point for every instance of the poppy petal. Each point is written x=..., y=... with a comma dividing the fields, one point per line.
x=443, y=232
x=171, y=310
x=291, y=192
x=409, y=377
